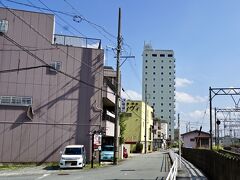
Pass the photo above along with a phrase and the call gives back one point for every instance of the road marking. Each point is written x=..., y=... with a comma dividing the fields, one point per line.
x=43, y=176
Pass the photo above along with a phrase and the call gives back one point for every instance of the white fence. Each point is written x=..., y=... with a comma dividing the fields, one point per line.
x=173, y=171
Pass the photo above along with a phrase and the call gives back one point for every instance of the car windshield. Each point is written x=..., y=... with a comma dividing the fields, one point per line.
x=73, y=151
x=107, y=148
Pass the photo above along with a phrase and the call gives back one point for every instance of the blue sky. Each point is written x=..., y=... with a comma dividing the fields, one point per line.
x=204, y=34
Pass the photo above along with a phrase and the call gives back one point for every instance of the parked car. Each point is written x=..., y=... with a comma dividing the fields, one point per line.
x=107, y=153
x=73, y=156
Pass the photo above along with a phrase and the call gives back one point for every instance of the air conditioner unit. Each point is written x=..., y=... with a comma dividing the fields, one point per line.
x=3, y=26
x=56, y=66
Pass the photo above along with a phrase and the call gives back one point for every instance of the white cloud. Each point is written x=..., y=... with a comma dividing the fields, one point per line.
x=183, y=97
x=182, y=82
x=130, y=94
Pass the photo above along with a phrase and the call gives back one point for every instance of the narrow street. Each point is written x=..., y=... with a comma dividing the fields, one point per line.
x=150, y=166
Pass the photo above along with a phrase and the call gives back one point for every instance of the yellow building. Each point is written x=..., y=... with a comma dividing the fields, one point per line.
x=134, y=120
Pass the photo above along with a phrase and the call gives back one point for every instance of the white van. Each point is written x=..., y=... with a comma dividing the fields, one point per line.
x=73, y=156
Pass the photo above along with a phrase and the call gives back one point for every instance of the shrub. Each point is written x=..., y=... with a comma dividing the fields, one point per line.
x=139, y=147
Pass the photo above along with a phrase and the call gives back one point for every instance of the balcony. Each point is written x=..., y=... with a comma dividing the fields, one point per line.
x=77, y=41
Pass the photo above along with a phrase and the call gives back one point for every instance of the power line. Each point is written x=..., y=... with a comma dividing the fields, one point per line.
x=37, y=7
x=31, y=27
x=61, y=18
x=94, y=25
x=40, y=49
x=50, y=17
x=45, y=65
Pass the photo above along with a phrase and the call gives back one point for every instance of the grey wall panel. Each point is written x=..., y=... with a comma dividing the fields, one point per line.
x=24, y=145
x=6, y=144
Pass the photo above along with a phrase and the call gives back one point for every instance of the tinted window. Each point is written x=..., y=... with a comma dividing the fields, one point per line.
x=107, y=148
x=73, y=151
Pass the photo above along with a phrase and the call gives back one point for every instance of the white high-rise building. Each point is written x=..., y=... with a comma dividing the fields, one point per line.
x=159, y=80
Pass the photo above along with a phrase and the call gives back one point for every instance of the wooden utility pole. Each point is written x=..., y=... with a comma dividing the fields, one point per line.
x=117, y=95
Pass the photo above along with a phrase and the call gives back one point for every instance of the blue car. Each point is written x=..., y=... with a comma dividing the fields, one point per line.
x=107, y=153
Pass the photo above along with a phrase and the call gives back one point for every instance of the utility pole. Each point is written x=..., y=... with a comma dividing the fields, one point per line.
x=210, y=112
x=119, y=41
x=215, y=115
x=145, y=134
x=179, y=140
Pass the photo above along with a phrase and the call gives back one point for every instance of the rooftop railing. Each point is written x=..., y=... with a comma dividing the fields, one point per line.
x=77, y=41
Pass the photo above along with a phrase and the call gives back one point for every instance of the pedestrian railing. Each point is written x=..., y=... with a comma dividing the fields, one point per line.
x=173, y=171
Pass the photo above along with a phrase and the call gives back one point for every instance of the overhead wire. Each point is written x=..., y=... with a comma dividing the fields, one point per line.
x=94, y=25
x=37, y=7
x=45, y=65
x=62, y=18
x=37, y=32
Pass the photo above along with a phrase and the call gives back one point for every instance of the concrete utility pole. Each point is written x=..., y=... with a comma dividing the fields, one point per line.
x=119, y=41
x=179, y=140
x=145, y=133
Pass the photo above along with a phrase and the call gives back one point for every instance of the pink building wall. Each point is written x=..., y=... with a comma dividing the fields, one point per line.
x=65, y=110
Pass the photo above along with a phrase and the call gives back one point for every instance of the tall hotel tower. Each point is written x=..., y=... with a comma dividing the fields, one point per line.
x=159, y=84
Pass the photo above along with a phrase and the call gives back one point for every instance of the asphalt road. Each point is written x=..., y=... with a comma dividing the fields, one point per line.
x=150, y=166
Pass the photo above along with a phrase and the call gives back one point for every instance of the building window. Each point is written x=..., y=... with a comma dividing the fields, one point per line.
x=170, y=104
x=153, y=79
x=170, y=97
x=153, y=104
x=162, y=117
x=146, y=61
x=162, y=61
x=170, y=110
x=170, y=73
x=153, y=91
x=154, y=61
x=170, y=55
x=161, y=73
x=145, y=72
x=146, y=54
x=154, y=55
x=161, y=85
x=153, y=85
x=161, y=79
x=170, y=91
x=192, y=139
x=170, y=85
x=162, y=55
x=154, y=73
x=161, y=104
x=169, y=129
x=161, y=91
x=170, y=79
x=154, y=67
x=153, y=97
x=161, y=67
x=145, y=79
x=161, y=97
x=146, y=67
x=15, y=100
x=170, y=67
x=161, y=110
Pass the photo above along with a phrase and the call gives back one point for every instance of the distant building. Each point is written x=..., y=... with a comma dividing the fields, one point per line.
x=134, y=119
x=41, y=109
x=159, y=134
x=108, y=116
x=159, y=80
x=196, y=139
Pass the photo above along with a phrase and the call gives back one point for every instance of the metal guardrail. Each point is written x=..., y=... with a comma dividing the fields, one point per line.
x=77, y=41
x=173, y=171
